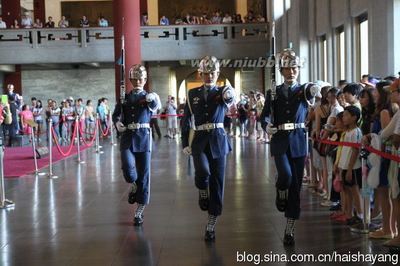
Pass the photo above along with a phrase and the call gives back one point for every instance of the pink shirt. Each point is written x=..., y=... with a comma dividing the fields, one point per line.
x=26, y=115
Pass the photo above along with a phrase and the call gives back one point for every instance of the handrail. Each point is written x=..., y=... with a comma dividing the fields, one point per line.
x=35, y=36
x=159, y=43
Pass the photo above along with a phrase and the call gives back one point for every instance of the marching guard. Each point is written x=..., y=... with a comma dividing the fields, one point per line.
x=209, y=145
x=283, y=118
x=132, y=120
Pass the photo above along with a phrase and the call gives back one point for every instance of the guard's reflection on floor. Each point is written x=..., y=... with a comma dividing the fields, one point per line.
x=140, y=245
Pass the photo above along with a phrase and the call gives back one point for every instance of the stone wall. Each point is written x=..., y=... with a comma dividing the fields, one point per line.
x=60, y=84
x=85, y=83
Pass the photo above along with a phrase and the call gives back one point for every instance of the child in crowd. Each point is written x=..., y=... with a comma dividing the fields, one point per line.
x=350, y=165
x=351, y=92
x=341, y=99
x=26, y=115
x=335, y=109
x=339, y=130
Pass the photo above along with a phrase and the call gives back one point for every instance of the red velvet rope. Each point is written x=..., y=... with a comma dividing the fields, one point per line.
x=68, y=152
x=101, y=130
x=90, y=143
x=358, y=146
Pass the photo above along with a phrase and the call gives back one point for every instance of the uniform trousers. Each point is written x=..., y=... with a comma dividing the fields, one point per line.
x=136, y=168
x=290, y=175
x=210, y=174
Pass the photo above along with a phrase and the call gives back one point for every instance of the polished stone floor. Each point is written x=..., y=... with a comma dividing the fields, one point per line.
x=83, y=218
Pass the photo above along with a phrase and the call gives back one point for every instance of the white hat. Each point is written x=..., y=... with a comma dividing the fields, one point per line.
x=208, y=64
x=138, y=72
x=288, y=58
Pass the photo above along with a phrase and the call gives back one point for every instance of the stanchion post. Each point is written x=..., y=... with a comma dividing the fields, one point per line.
x=98, y=128
x=35, y=155
x=34, y=151
x=111, y=130
x=100, y=132
x=365, y=194
x=4, y=203
x=97, y=134
x=366, y=191
x=77, y=124
x=51, y=150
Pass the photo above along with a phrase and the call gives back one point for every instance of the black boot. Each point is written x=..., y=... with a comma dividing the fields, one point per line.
x=288, y=239
x=209, y=236
x=132, y=194
x=203, y=202
x=281, y=199
x=138, y=221
x=210, y=228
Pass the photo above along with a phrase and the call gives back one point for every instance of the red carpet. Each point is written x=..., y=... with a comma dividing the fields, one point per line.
x=18, y=161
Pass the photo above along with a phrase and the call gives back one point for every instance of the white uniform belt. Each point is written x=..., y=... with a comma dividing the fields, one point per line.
x=209, y=126
x=291, y=126
x=134, y=126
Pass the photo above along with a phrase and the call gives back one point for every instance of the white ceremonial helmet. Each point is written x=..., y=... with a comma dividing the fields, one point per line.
x=208, y=64
x=288, y=58
x=138, y=72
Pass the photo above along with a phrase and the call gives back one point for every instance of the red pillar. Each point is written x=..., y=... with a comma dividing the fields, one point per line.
x=143, y=6
x=130, y=11
x=15, y=79
x=39, y=10
x=11, y=10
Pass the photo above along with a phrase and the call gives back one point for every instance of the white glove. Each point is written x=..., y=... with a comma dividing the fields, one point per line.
x=229, y=93
x=271, y=130
x=315, y=90
x=187, y=150
x=120, y=127
x=150, y=97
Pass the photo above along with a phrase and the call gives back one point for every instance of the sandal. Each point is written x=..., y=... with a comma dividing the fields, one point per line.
x=379, y=234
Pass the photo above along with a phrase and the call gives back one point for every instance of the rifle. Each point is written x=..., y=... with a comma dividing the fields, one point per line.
x=273, y=74
x=122, y=74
